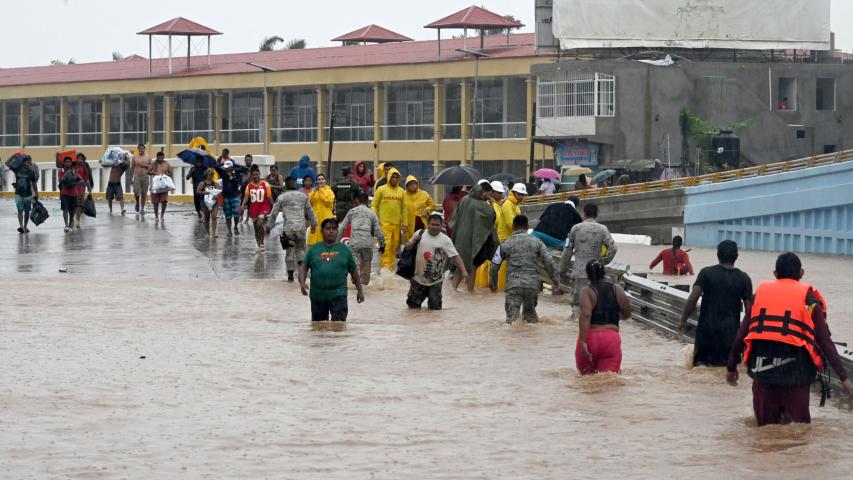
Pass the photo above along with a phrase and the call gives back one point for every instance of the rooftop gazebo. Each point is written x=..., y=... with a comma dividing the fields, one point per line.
x=477, y=18
x=180, y=27
x=371, y=34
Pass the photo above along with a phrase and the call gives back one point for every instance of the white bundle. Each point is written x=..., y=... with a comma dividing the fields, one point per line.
x=210, y=196
x=162, y=184
x=113, y=156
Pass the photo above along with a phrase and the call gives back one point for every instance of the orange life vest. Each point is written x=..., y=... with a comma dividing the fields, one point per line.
x=780, y=314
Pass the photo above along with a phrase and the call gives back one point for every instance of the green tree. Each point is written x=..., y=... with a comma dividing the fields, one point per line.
x=70, y=61
x=296, y=44
x=701, y=132
x=117, y=56
x=268, y=44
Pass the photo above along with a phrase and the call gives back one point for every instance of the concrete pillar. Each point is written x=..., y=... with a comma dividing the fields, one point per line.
x=531, y=105
x=105, y=122
x=63, y=123
x=168, y=109
x=268, y=120
x=152, y=116
x=218, y=110
x=465, y=99
x=378, y=120
x=437, y=121
x=322, y=121
x=25, y=122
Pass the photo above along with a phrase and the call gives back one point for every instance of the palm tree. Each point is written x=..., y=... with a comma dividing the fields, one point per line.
x=268, y=44
x=296, y=44
x=117, y=56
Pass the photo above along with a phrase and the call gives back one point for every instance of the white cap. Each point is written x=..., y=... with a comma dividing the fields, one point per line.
x=482, y=181
x=519, y=188
x=498, y=187
x=227, y=164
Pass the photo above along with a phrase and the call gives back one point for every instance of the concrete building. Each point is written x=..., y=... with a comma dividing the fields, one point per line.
x=626, y=109
x=410, y=102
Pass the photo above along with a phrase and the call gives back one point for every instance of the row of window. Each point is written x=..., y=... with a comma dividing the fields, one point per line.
x=408, y=114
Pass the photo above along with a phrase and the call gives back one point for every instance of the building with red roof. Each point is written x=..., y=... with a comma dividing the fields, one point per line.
x=394, y=99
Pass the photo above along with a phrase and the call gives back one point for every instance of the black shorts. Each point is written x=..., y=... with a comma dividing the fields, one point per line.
x=68, y=203
x=337, y=309
x=114, y=191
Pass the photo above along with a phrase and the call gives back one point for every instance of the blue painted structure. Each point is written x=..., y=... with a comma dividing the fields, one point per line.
x=808, y=210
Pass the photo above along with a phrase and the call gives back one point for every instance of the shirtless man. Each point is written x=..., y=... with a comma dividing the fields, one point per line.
x=160, y=167
x=114, y=185
x=139, y=166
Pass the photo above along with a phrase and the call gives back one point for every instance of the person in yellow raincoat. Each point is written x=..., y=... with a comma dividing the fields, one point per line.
x=322, y=201
x=390, y=207
x=419, y=206
x=482, y=275
x=510, y=209
x=382, y=174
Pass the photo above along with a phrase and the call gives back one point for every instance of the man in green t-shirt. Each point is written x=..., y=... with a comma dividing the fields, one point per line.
x=329, y=262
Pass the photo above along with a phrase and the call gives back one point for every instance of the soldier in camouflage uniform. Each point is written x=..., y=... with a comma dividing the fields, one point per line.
x=588, y=240
x=346, y=191
x=524, y=255
x=364, y=234
x=297, y=212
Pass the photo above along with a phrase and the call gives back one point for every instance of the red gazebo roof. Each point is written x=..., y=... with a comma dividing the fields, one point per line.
x=373, y=34
x=475, y=17
x=180, y=26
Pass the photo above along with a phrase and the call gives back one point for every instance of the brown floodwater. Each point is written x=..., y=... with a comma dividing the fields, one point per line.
x=108, y=374
x=236, y=383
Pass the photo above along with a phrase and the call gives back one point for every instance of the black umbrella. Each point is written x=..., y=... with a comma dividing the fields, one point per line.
x=455, y=176
x=503, y=177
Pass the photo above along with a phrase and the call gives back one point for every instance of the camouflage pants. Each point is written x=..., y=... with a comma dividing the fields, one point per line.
x=524, y=299
x=295, y=253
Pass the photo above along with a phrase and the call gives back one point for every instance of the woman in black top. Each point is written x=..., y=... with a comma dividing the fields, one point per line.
x=603, y=304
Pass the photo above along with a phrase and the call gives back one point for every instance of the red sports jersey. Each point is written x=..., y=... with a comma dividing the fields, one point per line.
x=260, y=199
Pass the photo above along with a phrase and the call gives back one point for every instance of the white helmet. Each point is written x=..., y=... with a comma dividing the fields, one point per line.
x=498, y=187
x=519, y=188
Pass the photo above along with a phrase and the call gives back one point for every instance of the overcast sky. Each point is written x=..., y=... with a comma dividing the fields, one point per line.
x=90, y=30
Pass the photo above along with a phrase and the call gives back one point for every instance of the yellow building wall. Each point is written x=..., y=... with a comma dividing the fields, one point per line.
x=441, y=151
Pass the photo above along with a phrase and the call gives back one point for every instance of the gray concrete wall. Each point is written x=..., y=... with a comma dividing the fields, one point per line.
x=649, y=99
x=650, y=213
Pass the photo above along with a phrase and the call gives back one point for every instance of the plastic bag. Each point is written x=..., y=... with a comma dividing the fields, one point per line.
x=278, y=229
x=89, y=207
x=16, y=161
x=210, y=196
x=113, y=156
x=70, y=179
x=39, y=214
x=687, y=353
x=162, y=184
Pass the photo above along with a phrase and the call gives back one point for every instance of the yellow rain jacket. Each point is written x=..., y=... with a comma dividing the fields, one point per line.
x=416, y=203
x=482, y=276
x=509, y=210
x=200, y=142
x=322, y=201
x=380, y=174
x=390, y=207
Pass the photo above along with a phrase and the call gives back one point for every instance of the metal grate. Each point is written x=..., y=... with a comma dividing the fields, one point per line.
x=576, y=94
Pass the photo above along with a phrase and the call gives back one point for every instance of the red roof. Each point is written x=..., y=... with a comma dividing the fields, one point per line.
x=475, y=17
x=180, y=26
x=402, y=53
x=372, y=33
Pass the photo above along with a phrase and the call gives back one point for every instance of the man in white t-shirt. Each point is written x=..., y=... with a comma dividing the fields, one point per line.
x=434, y=250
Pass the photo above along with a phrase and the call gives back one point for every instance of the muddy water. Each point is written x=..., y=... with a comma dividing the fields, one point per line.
x=236, y=383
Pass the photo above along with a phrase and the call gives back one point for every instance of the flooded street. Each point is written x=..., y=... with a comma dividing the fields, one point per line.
x=162, y=355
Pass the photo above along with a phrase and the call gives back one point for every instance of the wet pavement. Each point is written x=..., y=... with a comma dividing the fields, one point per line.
x=135, y=245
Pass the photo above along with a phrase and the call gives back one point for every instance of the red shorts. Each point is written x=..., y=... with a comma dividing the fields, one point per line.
x=159, y=197
x=605, y=346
